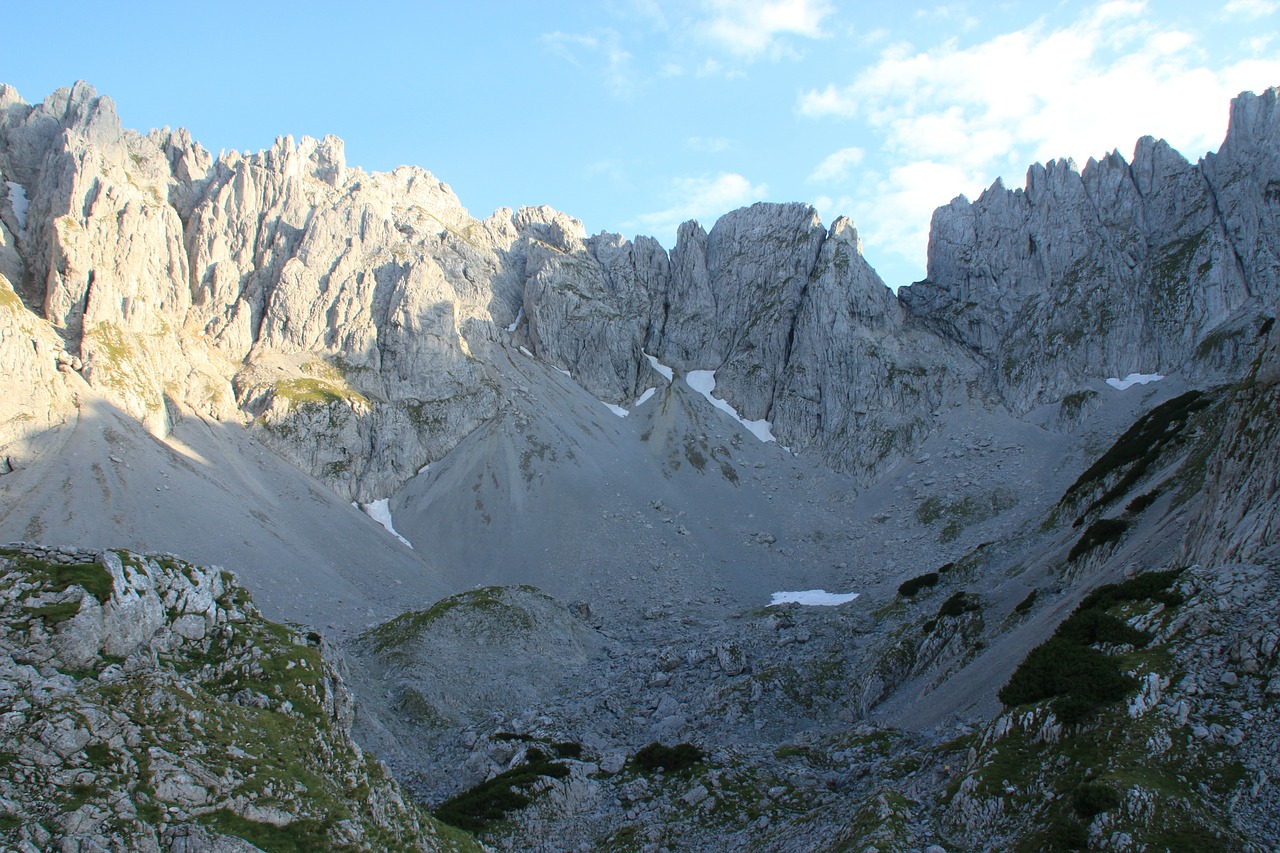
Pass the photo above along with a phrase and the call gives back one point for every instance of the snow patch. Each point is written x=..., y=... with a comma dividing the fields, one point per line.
x=526, y=352
x=519, y=317
x=813, y=597
x=1134, y=379
x=617, y=410
x=704, y=382
x=425, y=468
x=18, y=198
x=667, y=372
x=643, y=398
x=380, y=511
x=565, y=372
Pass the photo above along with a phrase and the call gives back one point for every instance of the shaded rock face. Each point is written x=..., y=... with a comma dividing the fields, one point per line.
x=351, y=317
x=1117, y=268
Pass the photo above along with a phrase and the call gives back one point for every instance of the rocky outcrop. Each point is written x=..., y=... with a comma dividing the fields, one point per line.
x=1117, y=268
x=1240, y=516
x=149, y=707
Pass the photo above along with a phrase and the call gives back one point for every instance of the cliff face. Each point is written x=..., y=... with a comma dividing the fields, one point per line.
x=1117, y=268
x=348, y=315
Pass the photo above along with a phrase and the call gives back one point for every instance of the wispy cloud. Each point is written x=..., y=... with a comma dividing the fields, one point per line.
x=835, y=167
x=755, y=28
x=603, y=49
x=956, y=117
x=703, y=198
x=707, y=144
x=1250, y=9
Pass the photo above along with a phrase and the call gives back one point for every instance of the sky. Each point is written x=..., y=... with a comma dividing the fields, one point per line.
x=636, y=115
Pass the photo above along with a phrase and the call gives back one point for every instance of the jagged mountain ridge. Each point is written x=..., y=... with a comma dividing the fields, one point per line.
x=276, y=259
x=363, y=325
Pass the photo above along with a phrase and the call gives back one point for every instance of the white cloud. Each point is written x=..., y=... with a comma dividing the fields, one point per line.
x=702, y=198
x=754, y=28
x=1250, y=9
x=707, y=144
x=958, y=116
x=835, y=167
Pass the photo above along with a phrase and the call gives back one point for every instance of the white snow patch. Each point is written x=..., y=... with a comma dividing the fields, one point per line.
x=814, y=597
x=644, y=398
x=1134, y=379
x=565, y=372
x=667, y=372
x=704, y=382
x=425, y=468
x=18, y=198
x=380, y=511
x=519, y=317
x=617, y=410
x=526, y=352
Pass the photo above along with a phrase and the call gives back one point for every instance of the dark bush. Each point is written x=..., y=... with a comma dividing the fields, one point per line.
x=1093, y=798
x=568, y=749
x=958, y=604
x=910, y=587
x=476, y=807
x=1063, y=833
x=1026, y=604
x=672, y=759
x=1089, y=626
x=1101, y=532
x=1139, y=447
x=1067, y=669
x=1142, y=501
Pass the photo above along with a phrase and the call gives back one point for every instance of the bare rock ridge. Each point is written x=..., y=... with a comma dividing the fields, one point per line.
x=347, y=315
x=1117, y=268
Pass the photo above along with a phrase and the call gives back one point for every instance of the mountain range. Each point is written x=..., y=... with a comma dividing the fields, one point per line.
x=564, y=518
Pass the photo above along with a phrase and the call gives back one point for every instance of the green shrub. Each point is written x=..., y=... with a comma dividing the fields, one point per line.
x=958, y=605
x=1026, y=604
x=1138, y=448
x=672, y=759
x=910, y=587
x=475, y=808
x=1142, y=501
x=1093, y=798
x=1101, y=532
x=1067, y=668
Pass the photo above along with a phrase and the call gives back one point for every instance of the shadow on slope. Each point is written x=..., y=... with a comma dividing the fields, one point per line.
x=213, y=494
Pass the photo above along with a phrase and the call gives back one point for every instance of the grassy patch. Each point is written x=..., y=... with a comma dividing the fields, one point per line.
x=93, y=578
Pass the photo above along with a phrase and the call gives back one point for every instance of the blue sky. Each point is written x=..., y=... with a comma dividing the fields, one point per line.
x=634, y=115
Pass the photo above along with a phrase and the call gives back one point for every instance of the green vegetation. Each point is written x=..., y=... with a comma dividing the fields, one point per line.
x=1137, y=449
x=965, y=512
x=670, y=759
x=1073, y=404
x=1067, y=668
x=1093, y=798
x=959, y=604
x=1027, y=603
x=1104, y=531
x=93, y=578
x=910, y=587
x=477, y=807
x=390, y=637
